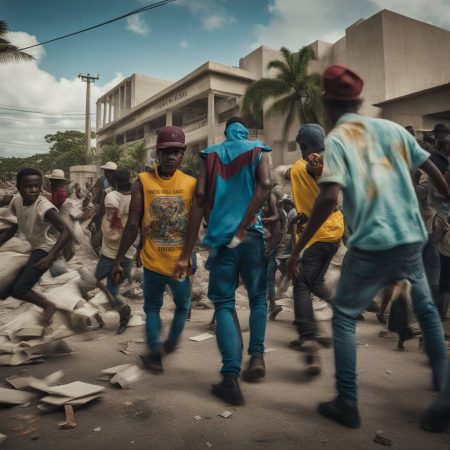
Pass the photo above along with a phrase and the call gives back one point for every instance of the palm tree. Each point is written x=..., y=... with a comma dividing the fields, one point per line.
x=8, y=51
x=296, y=93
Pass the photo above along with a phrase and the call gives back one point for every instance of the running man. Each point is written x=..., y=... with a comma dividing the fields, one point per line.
x=370, y=161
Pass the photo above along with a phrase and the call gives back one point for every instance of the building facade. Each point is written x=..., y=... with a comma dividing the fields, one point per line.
x=403, y=62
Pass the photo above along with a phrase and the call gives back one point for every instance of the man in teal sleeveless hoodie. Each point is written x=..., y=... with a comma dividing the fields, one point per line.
x=233, y=184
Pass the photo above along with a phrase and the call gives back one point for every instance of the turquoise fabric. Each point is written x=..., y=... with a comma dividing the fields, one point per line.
x=231, y=194
x=371, y=160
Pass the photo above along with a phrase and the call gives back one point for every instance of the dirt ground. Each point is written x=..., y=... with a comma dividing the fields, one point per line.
x=280, y=412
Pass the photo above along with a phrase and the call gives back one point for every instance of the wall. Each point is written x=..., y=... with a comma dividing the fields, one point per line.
x=417, y=55
x=83, y=174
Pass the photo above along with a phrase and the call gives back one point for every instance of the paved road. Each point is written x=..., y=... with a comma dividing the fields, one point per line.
x=280, y=412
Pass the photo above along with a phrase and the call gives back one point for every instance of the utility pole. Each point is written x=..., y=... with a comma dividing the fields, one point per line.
x=88, y=79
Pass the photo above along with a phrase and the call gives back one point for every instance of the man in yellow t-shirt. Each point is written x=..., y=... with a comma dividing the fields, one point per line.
x=319, y=250
x=161, y=200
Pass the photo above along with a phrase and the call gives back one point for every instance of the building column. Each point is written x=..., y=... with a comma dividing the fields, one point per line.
x=109, y=109
x=98, y=115
x=169, y=118
x=211, y=118
x=120, y=101
x=104, y=113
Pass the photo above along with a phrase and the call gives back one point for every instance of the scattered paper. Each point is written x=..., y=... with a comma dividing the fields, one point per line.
x=226, y=414
x=116, y=369
x=18, y=382
x=198, y=417
x=97, y=429
x=201, y=337
x=15, y=397
x=270, y=349
x=136, y=320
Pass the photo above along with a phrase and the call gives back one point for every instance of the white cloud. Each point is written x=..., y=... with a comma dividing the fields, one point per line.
x=212, y=13
x=138, y=25
x=294, y=24
x=21, y=39
x=184, y=43
x=27, y=86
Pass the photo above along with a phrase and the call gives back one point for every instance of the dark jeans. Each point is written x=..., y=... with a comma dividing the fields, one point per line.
x=271, y=272
x=104, y=269
x=364, y=274
x=27, y=277
x=313, y=267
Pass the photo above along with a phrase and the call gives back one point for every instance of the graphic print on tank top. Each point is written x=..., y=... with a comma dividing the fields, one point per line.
x=168, y=221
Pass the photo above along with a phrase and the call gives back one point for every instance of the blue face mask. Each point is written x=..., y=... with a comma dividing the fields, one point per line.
x=236, y=132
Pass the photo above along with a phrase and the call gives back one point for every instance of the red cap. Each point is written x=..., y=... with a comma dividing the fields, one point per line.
x=170, y=137
x=341, y=83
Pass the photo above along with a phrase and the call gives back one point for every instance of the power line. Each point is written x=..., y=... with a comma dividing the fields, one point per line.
x=9, y=108
x=123, y=16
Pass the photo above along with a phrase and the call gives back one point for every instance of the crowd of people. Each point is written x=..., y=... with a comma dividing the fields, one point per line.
x=369, y=183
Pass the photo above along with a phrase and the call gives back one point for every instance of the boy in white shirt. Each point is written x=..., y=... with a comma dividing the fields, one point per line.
x=35, y=216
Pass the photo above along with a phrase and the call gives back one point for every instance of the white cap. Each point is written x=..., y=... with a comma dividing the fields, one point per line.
x=109, y=166
x=57, y=174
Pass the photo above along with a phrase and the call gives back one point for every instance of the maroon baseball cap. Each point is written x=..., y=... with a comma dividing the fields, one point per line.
x=341, y=83
x=170, y=137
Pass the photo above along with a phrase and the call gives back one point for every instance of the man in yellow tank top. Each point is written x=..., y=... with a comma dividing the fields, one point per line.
x=319, y=250
x=161, y=200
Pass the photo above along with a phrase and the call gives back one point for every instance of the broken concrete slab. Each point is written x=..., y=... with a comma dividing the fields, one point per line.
x=136, y=320
x=61, y=279
x=116, y=369
x=126, y=377
x=83, y=400
x=201, y=337
x=66, y=297
x=15, y=396
x=76, y=389
x=18, y=382
x=29, y=332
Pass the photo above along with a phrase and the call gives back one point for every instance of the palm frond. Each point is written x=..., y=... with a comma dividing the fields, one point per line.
x=3, y=27
x=259, y=91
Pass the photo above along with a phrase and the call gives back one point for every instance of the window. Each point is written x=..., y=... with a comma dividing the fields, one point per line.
x=292, y=146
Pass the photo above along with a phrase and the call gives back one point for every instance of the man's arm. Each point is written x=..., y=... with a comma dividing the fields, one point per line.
x=263, y=186
x=195, y=219
x=131, y=228
x=436, y=178
x=7, y=234
x=324, y=205
x=64, y=237
x=273, y=209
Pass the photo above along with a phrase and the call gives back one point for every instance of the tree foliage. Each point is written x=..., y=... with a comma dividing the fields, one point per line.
x=129, y=157
x=295, y=92
x=67, y=148
x=8, y=51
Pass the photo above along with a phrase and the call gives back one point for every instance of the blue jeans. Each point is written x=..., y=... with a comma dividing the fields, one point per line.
x=363, y=276
x=104, y=270
x=154, y=286
x=248, y=261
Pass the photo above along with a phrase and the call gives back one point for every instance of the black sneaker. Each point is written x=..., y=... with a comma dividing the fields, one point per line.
x=435, y=421
x=125, y=316
x=228, y=390
x=256, y=369
x=312, y=358
x=341, y=411
x=169, y=347
x=153, y=362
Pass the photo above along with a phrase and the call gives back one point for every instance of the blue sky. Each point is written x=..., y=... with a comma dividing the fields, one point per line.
x=167, y=42
x=178, y=39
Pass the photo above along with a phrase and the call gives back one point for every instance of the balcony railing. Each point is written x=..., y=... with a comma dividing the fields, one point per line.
x=195, y=125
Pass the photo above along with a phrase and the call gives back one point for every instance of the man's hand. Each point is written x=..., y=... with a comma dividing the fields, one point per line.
x=44, y=263
x=182, y=268
x=292, y=267
x=117, y=273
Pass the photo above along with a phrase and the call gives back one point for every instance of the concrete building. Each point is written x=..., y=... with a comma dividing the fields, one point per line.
x=405, y=64
x=83, y=174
